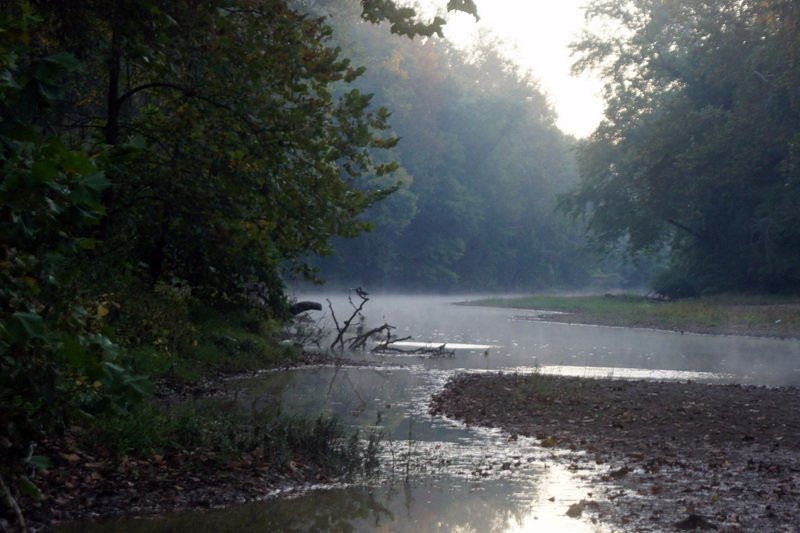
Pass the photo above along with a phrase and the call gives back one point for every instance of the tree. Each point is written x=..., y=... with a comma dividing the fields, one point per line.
x=696, y=152
x=54, y=360
x=236, y=142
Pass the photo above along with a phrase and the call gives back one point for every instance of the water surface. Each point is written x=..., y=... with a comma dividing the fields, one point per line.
x=439, y=475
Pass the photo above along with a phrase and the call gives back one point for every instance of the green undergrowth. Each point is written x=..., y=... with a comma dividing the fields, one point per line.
x=174, y=340
x=746, y=314
x=220, y=432
x=170, y=335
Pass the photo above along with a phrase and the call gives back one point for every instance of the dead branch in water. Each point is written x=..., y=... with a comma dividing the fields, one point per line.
x=437, y=351
x=346, y=325
x=360, y=340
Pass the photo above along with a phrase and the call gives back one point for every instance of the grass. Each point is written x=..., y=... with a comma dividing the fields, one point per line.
x=172, y=341
x=728, y=314
x=211, y=342
x=224, y=432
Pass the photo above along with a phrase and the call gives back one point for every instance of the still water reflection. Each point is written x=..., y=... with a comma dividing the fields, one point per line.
x=523, y=339
x=438, y=474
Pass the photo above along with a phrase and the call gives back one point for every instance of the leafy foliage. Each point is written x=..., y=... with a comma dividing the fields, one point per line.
x=697, y=152
x=160, y=157
x=53, y=357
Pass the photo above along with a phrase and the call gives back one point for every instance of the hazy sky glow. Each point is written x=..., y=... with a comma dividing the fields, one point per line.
x=539, y=32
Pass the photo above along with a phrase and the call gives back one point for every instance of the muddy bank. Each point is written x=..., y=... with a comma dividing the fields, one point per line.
x=87, y=482
x=672, y=455
x=773, y=329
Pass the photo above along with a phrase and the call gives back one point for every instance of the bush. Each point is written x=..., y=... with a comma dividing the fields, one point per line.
x=674, y=284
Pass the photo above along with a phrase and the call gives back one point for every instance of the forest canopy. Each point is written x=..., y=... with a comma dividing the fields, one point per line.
x=163, y=161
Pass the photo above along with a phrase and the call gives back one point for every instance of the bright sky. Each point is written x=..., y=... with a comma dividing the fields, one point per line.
x=539, y=32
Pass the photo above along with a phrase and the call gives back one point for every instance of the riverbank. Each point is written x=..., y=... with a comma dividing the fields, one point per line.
x=769, y=316
x=191, y=446
x=664, y=455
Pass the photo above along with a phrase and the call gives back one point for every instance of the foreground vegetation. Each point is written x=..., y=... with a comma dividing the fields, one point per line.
x=777, y=316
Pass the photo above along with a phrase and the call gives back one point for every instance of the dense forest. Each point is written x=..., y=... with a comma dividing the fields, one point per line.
x=164, y=164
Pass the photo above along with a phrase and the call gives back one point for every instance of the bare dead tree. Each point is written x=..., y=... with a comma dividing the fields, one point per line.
x=363, y=336
x=339, y=340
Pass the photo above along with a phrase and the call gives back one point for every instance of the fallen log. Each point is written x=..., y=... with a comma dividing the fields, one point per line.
x=301, y=307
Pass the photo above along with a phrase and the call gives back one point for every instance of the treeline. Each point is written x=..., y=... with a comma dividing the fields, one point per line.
x=697, y=157
x=481, y=164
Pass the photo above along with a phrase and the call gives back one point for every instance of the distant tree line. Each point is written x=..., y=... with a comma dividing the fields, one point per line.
x=481, y=163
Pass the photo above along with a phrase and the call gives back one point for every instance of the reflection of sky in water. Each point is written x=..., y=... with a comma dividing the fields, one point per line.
x=461, y=479
x=525, y=341
x=438, y=474
x=418, y=506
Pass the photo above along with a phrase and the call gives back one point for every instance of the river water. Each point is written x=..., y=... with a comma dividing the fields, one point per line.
x=439, y=475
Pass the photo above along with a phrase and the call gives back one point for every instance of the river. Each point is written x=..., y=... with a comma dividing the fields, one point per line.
x=439, y=475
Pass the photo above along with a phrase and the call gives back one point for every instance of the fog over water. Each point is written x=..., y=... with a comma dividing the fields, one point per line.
x=524, y=339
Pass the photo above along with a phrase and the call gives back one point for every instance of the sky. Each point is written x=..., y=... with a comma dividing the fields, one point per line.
x=538, y=32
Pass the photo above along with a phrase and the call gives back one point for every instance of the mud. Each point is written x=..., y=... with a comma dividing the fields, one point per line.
x=674, y=455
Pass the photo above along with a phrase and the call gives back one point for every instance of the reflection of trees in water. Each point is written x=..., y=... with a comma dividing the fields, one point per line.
x=428, y=503
x=333, y=510
x=396, y=507
x=357, y=396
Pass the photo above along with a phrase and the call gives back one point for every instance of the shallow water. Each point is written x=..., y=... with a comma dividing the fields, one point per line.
x=439, y=475
x=522, y=339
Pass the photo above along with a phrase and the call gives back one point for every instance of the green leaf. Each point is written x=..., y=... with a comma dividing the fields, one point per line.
x=73, y=353
x=86, y=244
x=40, y=462
x=28, y=488
x=25, y=326
x=96, y=182
x=65, y=61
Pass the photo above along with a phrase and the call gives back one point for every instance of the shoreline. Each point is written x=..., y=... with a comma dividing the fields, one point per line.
x=660, y=453
x=705, y=316
x=87, y=485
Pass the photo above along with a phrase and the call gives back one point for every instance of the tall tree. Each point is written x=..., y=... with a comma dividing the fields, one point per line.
x=697, y=151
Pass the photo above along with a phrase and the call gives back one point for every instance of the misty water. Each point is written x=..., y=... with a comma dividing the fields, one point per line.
x=437, y=474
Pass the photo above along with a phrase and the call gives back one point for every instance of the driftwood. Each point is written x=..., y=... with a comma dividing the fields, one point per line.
x=360, y=340
x=363, y=335
x=339, y=340
x=433, y=351
x=301, y=307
